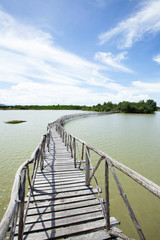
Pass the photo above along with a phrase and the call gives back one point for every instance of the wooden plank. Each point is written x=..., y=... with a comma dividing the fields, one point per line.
x=76, y=170
x=63, y=163
x=62, y=214
x=56, y=180
x=62, y=202
x=49, y=208
x=58, y=177
x=52, y=190
x=63, y=222
x=60, y=180
x=66, y=168
x=119, y=235
x=69, y=182
x=60, y=173
x=62, y=195
x=67, y=200
x=59, y=186
x=95, y=235
x=69, y=231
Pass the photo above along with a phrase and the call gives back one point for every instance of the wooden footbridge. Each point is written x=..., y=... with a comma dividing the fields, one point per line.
x=61, y=203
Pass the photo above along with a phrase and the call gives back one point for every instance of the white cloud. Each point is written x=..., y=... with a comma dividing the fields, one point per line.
x=113, y=61
x=36, y=71
x=25, y=49
x=147, y=87
x=29, y=54
x=133, y=29
x=157, y=58
x=38, y=93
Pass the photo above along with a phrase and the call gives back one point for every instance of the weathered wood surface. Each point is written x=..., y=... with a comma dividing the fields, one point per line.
x=68, y=231
x=61, y=205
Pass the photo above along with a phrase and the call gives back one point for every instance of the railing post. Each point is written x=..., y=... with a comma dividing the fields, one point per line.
x=63, y=136
x=67, y=142
x=125, y=199
x=41, y=157
x=29, y=180
x=87, y=175
x=82, y=151
x=107, y=205
x=74, y=147
x=15, y=216
x=60, y=132
x=21, y=198
x=71, y=147
x=42, y=153
x=65, y=139
x=48, y=140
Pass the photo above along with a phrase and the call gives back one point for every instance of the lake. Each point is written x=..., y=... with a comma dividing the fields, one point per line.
x=18, y=141
x=132, y=139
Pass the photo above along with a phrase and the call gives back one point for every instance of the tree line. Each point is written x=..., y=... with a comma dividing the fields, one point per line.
x=42, y=107
x=149, y=106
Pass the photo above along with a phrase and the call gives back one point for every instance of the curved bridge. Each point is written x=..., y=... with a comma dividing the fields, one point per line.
x=61, y=203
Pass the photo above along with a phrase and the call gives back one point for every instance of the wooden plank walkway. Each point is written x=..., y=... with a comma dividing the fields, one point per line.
x=61, y=206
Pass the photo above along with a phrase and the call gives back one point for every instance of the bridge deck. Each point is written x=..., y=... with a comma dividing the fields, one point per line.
x=61, y=206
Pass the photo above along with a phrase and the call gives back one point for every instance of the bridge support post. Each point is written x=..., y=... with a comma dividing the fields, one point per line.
x=21, y=198
x=74, y=149
x=107, y=207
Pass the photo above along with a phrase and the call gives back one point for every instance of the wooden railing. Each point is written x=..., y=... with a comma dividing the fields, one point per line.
x=80, y=151
x=17, y=208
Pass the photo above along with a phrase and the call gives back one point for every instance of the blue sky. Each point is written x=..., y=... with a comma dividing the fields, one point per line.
x=79, y=51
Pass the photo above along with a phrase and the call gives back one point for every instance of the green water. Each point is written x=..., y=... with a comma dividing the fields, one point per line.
x=18, y=141
x=134, y=140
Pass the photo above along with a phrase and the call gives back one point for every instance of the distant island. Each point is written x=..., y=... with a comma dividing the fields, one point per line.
x=150, y=106
x=15, y=122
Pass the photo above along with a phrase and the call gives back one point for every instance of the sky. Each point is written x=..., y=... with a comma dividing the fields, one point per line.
x=79, y=52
